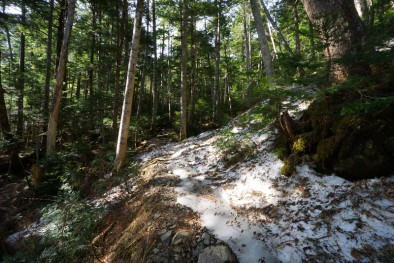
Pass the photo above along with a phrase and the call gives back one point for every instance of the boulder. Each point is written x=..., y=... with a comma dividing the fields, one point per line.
x=217, y=254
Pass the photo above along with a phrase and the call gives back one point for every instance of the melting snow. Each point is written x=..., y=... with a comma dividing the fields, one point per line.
x=267, y=217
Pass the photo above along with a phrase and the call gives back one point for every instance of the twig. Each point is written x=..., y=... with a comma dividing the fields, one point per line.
x=103, y=233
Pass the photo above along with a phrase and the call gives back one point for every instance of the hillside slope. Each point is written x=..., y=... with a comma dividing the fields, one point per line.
x=210, y=195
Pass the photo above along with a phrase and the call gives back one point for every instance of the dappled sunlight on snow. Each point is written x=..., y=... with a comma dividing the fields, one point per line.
x=263, y=215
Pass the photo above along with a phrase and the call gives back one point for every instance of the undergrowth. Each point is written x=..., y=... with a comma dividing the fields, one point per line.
x=69, y=220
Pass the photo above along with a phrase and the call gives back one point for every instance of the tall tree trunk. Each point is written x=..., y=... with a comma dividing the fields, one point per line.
x=121, y=146
x=266, y=53
x=296, y=27
x=60, y=32
x=275, y=26
x=142, y=87
x=248, y=57
x=163, y=97
x=272, y=39
x=193, y=76
x=45, y=109
x=154, y=75
x=144, y=67
x=183, y=128
x=78, y=92
x=169, y=77
x=121, y=28
x=312, y=40
x=92, y=48
x=48, y=62
x=57, y=94
x=297, y=36
x=15, y=165
x=362, y=9
x=216, y=83
x=21, y=79
x=341, y=31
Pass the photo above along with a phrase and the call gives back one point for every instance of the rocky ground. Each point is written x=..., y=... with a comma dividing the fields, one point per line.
x=209, y=208
x=196, y=201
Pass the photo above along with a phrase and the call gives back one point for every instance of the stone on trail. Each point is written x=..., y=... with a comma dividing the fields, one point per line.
x=181, y=237
x=217, y=254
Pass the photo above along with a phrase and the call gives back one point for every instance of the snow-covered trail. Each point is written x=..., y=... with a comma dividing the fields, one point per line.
x=266, y=217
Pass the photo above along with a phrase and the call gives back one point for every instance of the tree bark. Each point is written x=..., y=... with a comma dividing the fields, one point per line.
x=57, y=95
x=183, y=128
x=266, y=53
x=248, y=58
x=169, y=78
x=362, y=9
x=341, y=31
x=48, y=62
x=121, y=27
x=272, y=39
x=216, y=83
x=21, y=78
x=193, y=76
x=60, y=32
x=121, y=147
x=155, y=92
x=275, y=26
x=45, y=109
x=297, y=36
x=312, y=40
x=92, y=48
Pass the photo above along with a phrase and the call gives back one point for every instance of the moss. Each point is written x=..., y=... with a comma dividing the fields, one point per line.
x=299, y=145
x=290, y=165
x=287, y=170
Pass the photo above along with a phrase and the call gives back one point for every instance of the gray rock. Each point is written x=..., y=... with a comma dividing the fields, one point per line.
x=181, y=237
x=206, y=238
x=156, y=216
x=161, y=258
x=162, y=231
x=217, y=254
x=166, y=238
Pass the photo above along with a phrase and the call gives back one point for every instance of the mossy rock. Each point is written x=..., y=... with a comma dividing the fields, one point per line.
x=289, y=167
x=356, y=146
x=287, y=170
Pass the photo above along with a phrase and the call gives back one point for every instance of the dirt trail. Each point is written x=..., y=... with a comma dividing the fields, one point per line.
x=188, y=190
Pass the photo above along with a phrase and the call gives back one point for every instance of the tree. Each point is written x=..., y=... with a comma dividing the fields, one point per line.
x=341, y=31
x=45, y=108
x=266, y=53
x=274, y=25
x=121, y=146
x=60, y=31
x=362, y=9
x=57, y=94
x=155, y=92
x=297, y=35
x=183, y=134
x=248, y=51
x=216, y=83
x=193, y=73
x=118, y=62
x=21, y=79
x=15, y=163
x=92, y=49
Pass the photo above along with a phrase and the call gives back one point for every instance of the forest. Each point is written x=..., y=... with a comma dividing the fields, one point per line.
x=197, y=131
